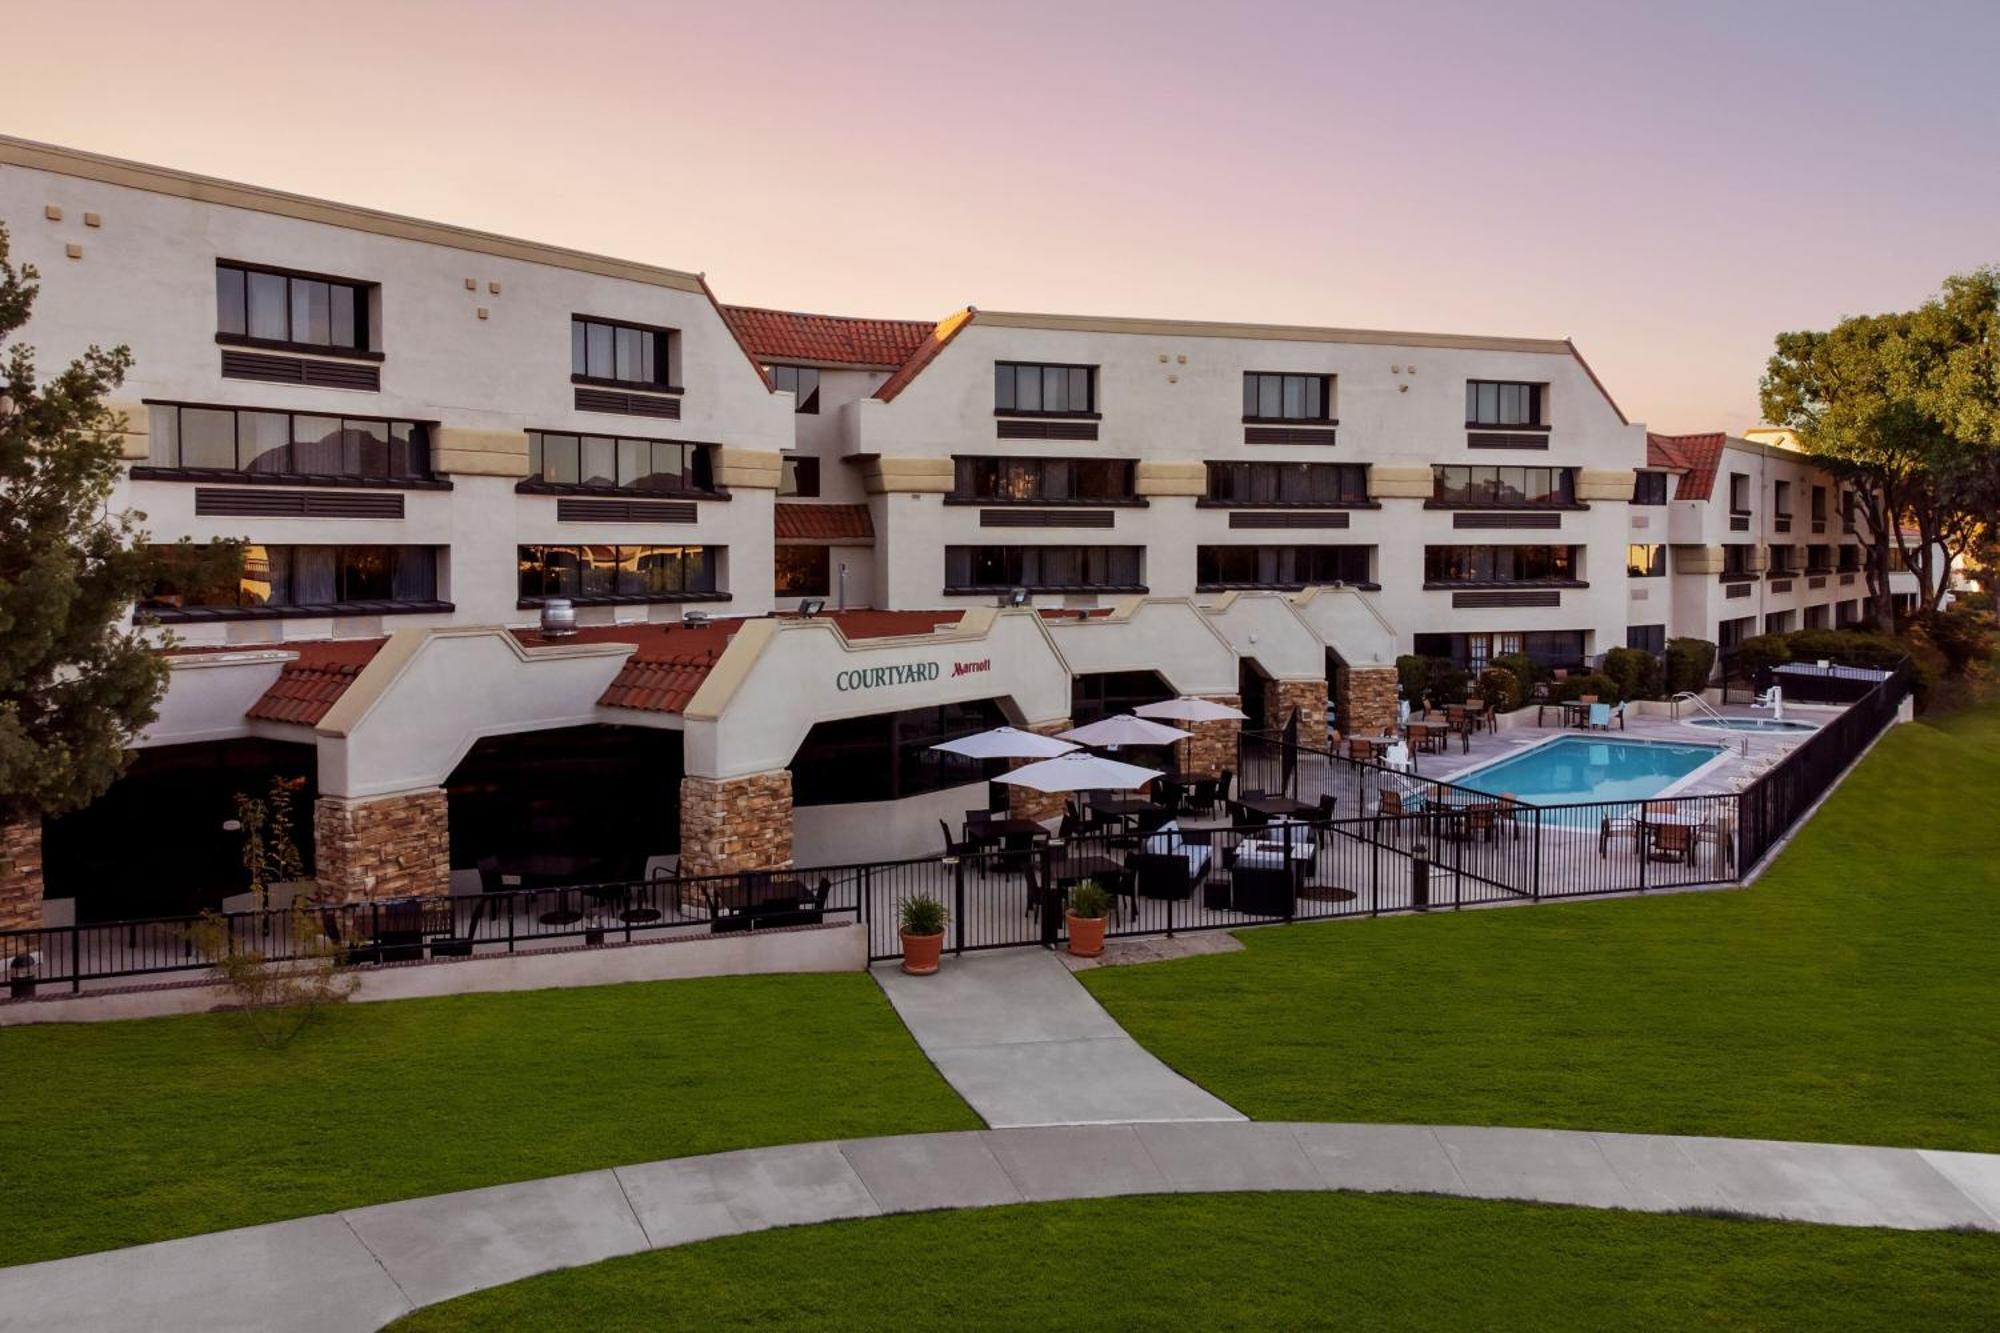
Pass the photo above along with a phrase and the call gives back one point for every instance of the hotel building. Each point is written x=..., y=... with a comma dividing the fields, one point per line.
x=426, y=433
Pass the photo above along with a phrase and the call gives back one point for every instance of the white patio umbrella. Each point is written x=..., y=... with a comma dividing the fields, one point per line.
x=1188, y=708
x=1080, y=772
x=1007, y=743
x=1124, y=729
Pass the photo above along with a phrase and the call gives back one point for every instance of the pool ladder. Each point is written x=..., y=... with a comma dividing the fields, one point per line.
x=1707, y=709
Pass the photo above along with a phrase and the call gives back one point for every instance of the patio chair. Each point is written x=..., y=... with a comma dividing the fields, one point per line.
x=1673, y=842
x=1721, y=831
x=1600, y=718
x=1201, y=795
x=978, y=836
x=1511, y=809
x=952, y=848
x=1613, y=827
x=1361, y=751
x=1036, y=890
x=1324, y=811
x=459, y=943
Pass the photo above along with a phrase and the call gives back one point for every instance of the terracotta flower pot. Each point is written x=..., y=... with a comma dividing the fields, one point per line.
x=921, y=953
x=1086, y=935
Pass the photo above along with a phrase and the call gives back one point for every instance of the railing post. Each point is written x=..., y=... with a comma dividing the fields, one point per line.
x=511, y=899
x=75, y=959
x=1050, y=897
x=957, y=865
x=1535, y=884
x=1375, y=872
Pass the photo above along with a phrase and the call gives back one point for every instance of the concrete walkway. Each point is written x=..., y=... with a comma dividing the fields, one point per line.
x=1025, y=1044
x=358, y=1270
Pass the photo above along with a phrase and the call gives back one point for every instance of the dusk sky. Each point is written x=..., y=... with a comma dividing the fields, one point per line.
x=1666, y=183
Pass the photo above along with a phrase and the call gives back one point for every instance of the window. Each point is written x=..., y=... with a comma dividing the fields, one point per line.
x=1288, y=483
x=1736, y=560
x=1545, y=648
x=1280, y=566
x=274, y=308
x=1502, y=403
x=1044, y=568
x=1649, y=488
x=1819, y=559
x=1847, y=504
x=803, y=381
x=803, y=571
x=989, y=479
x=1730, y=634
x=888, y=756
x=1819, y=509
x=1020, y=389
x=1268, y=397
x=1781, y=499
x=799, y=476
x=1739, y=493
x=1781, y=560
x=296, y=444
x=617, y=573
x=302, y=579
x=1499, y=564
x=1780, y=622
x=1503, y=485
x=1647, y=638
x=619, y=462
x=1645, y=562
x=607, y=352
x=1818, y=617
x=1850, y=559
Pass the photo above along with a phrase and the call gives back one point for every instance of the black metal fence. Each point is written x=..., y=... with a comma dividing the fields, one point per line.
x=1359, y=839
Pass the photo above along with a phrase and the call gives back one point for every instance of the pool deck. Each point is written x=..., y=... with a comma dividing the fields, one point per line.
x=1747, y=755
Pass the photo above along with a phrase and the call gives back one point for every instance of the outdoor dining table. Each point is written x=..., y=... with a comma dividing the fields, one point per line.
x=1075, y=869
x=1124, y=807
x=1007, y=828
x=1273, y=806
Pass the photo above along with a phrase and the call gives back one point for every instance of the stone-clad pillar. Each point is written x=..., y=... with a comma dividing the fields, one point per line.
x=1366, y=699
x=21, y=875
x=733, y=824
x=1305, y=697
x=396, y=846
x=1213, y=748
x=1026, y=802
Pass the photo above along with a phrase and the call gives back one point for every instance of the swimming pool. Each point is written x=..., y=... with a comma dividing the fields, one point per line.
x=1765, y=725
x=1573, y=769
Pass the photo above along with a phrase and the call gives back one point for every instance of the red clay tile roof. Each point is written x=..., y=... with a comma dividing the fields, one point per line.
x=1696, y=457
x=940, y=338
x=787, y=335
x=308, y=687
x=824, y=523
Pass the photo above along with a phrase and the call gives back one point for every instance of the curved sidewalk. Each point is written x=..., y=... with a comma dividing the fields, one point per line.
x=357, y=1270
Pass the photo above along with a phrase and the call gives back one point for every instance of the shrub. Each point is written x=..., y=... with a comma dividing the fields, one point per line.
x=921, y=915
x=1597, y=683
x=1524, y=669
x=1759, y=653
x=1090, y=902
x=1690, y=663
x=1846, y=646
x=1973, y=599
x=1962, y=634
x=1501, y=689
x=1412, y=674
x=277, y=997
x=1445, y=682
x=1636, y=671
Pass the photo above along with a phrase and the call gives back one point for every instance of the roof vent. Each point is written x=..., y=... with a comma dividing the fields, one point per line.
x=694, y=617
x=558, y=618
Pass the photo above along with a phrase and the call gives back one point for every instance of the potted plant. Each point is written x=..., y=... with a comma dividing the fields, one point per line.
x=922, y=919
x=1088, y=908
x=270, y=855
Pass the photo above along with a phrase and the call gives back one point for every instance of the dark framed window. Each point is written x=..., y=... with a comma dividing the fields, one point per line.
x=302, y=444
x=1279, y=397
x=993, y=479
x=1819, y=617
x=1499, y=564
x=1505, y=486
x=802, y=571
x=1850, y=559
x=1649, y=488
x=1781, y=499
x=1288, y=483
x=1503, y=403
x=1736, y=558
x=1819, y=559
x=1280, y=566
x=1780, y=622
x=1819, y=508
x=1730, y=634
x=1647, y=638
x=595, y=573
x=1023, y=388
x=302, y=577
x=1739, y=493
x=1546, y=648
x=1645, y=561
x=887, y=756
x=620, y=462
x=606, y=351
x=1044, y=568
x=280, y=308
x=1782, y=558
x=803, y=382
x=799, y=476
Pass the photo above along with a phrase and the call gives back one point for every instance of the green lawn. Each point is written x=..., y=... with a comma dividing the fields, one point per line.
x=116, y=1133
x=1853, y=994
x=1269, y=1261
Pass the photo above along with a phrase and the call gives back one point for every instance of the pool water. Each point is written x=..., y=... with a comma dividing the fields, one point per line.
x=1766, y=725
x=1582, y=768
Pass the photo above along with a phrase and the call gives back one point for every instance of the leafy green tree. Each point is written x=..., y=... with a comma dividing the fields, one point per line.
x=75, y=685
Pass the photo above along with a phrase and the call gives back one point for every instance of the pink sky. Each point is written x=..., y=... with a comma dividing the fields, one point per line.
x=1668, y=184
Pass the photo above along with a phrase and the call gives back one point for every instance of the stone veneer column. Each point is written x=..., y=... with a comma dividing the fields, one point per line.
x=1214, y=745
x=732, y=824
x=1366, y=699
x=21, y=876
x=1307, y=698
x=1026, y=802
x=395, y=846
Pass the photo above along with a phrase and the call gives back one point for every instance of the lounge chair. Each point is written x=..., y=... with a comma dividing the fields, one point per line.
x=1600, y=718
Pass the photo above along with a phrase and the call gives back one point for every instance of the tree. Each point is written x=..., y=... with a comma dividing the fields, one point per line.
x=75, y=687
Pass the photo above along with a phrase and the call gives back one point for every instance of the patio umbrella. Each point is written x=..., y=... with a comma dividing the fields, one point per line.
x=1080, y=772
x=1190, y=709
x=1006, y=743
x=1124, y=729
